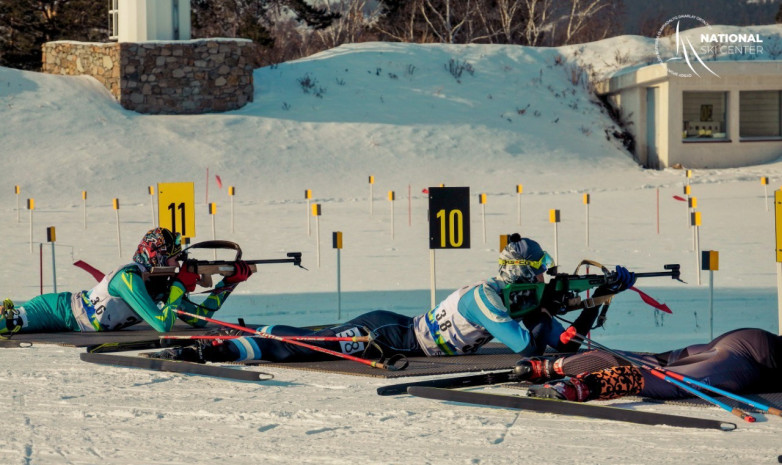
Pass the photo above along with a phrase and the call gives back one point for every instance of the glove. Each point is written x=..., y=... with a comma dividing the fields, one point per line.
x=623, y=280
x=242, y=271
x=534, y=369
x=187, y=279
x=572, y=389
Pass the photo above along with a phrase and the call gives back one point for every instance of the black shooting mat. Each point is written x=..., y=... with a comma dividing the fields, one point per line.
x=140, y=332
x=490, y=357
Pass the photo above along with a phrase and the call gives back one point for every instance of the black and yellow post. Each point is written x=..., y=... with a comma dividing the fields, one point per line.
x=84, y=207
x=316, y=212
x=115, y=204
x=764, y=182
x=778, y=247
x=371, y=193
x=587, y=199
x=692, y=204
x=482, y=200
x=31, y=207
x=336, y=242
x=151, y=191
x=308, y=197
x=687, y=191
x=391, y=198
x=449, y=225
x=519, y=191
x=504, y=239
x=553, y=217
x=710, y=260
x=17, y=191
x=51, y=237
x=213, y=213
x=695, y=222
x=232, y=193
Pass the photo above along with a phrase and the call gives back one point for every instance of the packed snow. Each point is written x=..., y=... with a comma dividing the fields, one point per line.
x=326, y=123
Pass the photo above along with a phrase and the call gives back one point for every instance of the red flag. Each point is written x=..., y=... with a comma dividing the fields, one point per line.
x=650, y=301
x=219, y=181
x=425, y=190
x=96, y=273
x=680, y=199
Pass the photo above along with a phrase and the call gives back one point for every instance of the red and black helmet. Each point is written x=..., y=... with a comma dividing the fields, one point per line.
x=157, y=246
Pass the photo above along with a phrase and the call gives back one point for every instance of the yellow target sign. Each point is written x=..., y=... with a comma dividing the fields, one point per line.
x=176, y=207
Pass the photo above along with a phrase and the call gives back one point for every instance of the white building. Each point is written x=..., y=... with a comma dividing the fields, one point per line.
x=731, y=117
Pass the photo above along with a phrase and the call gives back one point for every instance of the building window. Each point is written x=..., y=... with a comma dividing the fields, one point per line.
x=760, y=114
x=113, y=16
x=704, y=116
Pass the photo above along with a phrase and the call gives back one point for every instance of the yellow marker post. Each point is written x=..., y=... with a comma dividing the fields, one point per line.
x=482, y=200
x=151, y=190
x=316, y=212
x=17, y=191
x=586, y=199
x=553, y=217
x=519, y=191
x=31, y=207
x=336, y=241
x=687, y=191
x=308, y=197
x=371, y=193
x=692, y=204
x=84, y=207
x=391, y=198
x=710, y=260
x=213, y=213
x=764, y=182
x=695, y=221
x=778, y=242
x=231, y=193
x=51, y=237
x=115, y=203
x=689, y=176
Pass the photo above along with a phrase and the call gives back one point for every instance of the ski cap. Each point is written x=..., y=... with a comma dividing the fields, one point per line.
x=522, y=260
x=157, y=246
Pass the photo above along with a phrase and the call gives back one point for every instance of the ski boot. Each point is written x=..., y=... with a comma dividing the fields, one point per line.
x=10, y=319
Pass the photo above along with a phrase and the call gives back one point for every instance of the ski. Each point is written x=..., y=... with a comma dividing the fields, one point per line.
x=482, y=379
x=568, y=408
x=176, y=366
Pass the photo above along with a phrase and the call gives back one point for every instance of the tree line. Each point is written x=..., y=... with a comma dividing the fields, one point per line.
x=288, y=29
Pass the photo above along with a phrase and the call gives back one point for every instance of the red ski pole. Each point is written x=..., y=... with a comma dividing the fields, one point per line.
x=384, y=366
x=366, y=339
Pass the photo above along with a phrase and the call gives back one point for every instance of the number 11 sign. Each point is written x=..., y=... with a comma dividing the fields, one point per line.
x=176, y=207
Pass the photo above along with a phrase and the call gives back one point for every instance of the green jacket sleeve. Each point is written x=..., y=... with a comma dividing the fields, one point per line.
x=208, y=307
x=129, y=286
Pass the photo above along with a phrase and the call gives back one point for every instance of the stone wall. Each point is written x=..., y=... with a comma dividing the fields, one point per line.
x=176, y=77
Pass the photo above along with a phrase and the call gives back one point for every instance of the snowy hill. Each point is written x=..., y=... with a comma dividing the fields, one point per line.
x=488, y=117
x=396, y=112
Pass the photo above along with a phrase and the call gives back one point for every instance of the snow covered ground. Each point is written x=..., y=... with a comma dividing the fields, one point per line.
x=395, y=112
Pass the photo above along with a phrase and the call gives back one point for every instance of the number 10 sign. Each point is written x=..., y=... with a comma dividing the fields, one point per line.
x=176, y=207
x=449, y=217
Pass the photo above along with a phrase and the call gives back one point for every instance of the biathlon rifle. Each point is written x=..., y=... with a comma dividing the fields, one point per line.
x=207, y=268
x=562, y=290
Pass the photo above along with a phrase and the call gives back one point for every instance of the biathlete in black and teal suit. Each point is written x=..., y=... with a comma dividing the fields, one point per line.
x=122, y=298
x=462, y=323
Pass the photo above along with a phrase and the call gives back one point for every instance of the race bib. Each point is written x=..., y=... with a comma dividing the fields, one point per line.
x=350, y=347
